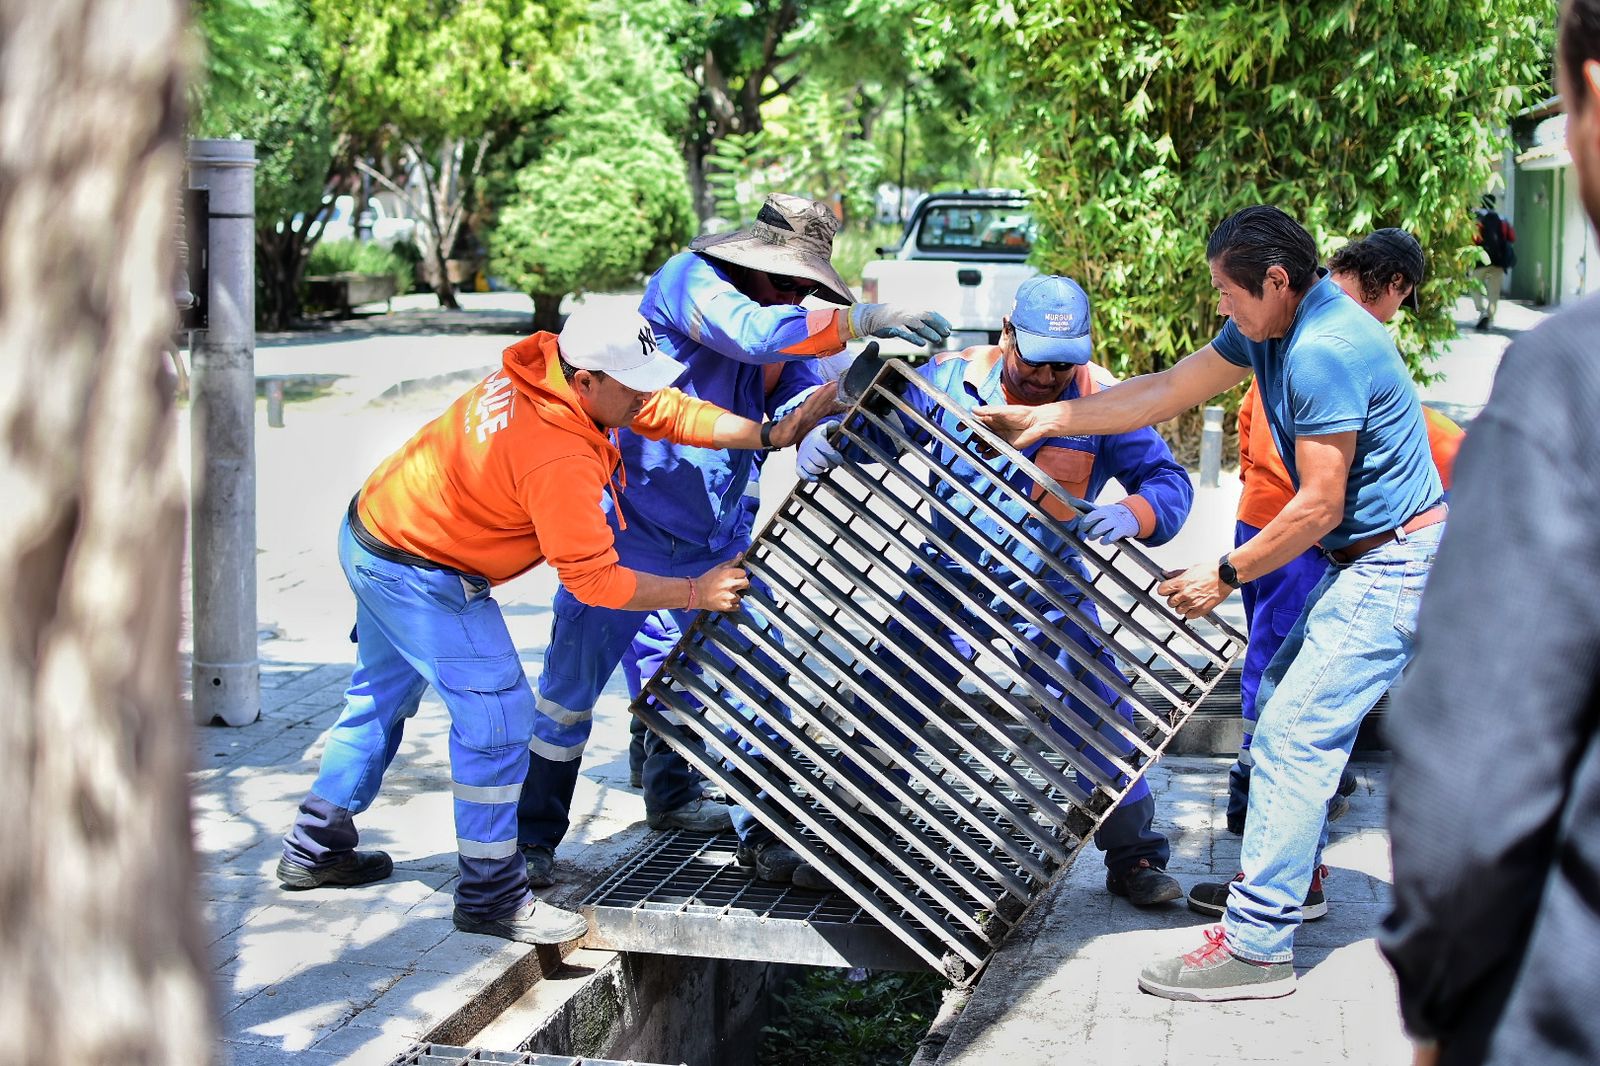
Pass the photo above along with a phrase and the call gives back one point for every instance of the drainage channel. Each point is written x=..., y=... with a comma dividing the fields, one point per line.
x=935, y=692
x=445, y=1055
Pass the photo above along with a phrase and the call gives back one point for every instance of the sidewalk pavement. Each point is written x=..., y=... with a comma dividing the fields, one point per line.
x=1064, y=986
x=354, y=975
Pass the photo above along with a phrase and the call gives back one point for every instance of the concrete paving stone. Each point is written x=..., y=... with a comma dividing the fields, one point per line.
x=224, y=916
x=237, y=1053
x=1354, y=972
x=223, y=836
x=1346, y=923
x=358, y=1045
x=1127, y=1027
x=308, y=1004
x=420, y=1000
x=462, y=953
x=1260, y=1031
x=1373, y=1033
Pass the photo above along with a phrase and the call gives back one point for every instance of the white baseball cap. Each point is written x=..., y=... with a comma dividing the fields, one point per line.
x=620, y=344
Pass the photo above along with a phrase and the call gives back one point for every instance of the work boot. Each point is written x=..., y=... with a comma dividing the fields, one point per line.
x=354, y=868
x=699, y=815
x=1212, y=974
x=770, y=860
x=1143, y=885
x=541, y=865
x=1347, y=782
x=537, y=922
x=1212, y=898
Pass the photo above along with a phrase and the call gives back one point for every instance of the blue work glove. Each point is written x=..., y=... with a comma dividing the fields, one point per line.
x=1107, y=524
x=886, y=320
x=816, y=455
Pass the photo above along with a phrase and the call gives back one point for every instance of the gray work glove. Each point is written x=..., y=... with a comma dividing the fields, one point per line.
x=886, y=320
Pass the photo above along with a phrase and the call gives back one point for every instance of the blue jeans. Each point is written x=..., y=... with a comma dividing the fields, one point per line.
x=1354, y=639
x=414, y=628
x=1273, y=604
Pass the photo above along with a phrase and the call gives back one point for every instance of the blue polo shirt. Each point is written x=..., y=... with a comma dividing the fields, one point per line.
x=1337, y=370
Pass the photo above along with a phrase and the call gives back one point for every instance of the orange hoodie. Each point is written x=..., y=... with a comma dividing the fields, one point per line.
x=1267, y=488
x=513, y=473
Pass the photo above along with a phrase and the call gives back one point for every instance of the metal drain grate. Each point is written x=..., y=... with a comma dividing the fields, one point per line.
x=683, y=894
x=889, y=699
x=445, y=1055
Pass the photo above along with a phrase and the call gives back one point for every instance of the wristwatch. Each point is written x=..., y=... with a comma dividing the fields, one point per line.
x=1227, y=573
x=766, y=436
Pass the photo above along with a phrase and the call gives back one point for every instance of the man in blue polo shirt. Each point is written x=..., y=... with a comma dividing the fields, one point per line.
x=1348, y=423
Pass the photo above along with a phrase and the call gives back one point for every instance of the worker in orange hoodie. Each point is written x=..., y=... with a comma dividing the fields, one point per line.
x=1381, y=272
x=510, y=475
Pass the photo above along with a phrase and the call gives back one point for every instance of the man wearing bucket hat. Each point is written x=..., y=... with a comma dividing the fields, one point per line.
x=1382, y=273
x=511, y=475
x=729, y=309
x=1044, y=355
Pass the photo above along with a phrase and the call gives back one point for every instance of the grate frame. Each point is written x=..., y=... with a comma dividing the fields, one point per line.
x=683, y=894
x=943, y=819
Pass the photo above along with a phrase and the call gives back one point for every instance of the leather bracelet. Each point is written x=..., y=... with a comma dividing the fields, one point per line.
x=692, y=595
x=766, y=436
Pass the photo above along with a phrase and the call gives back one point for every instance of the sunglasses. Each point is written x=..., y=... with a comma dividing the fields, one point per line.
x=784, y=283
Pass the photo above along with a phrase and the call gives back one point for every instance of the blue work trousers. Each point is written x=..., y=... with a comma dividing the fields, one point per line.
x=1355, y=637
x=417, y=627
x=586, y=645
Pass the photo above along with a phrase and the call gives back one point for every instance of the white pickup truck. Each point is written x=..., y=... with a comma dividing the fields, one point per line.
x=963, y=255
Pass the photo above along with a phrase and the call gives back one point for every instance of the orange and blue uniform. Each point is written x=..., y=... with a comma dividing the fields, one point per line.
x=514, y=473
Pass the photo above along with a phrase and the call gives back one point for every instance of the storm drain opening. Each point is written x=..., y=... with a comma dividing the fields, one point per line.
x=684, y=894
x=934, y=692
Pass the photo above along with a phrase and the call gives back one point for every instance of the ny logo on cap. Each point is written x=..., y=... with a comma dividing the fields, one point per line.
x=647, y=341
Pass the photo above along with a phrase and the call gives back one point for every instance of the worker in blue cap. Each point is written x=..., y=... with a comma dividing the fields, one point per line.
x=1044, y=355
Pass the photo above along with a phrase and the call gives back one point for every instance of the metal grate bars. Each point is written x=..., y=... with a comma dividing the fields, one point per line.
x=934, y=691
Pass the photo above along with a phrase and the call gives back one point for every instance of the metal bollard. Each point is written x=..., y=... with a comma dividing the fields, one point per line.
x=227, y=671
x=1211, y=448
x=275, y=403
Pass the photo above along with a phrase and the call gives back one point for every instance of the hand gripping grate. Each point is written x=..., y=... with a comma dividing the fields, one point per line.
x=933, y=691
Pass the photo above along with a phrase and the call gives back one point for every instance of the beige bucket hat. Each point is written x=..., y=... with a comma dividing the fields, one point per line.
x=792, y=236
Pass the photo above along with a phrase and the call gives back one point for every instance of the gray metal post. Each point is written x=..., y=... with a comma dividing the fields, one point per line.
x=1211, y=448
x=222, y=516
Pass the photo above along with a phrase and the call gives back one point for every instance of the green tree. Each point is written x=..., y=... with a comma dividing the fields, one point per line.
x=433, y=84
x=1144, y=124
x=596, y=197
x=265, y=83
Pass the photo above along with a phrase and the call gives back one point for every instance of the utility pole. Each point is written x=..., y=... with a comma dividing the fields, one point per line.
x=222, y=513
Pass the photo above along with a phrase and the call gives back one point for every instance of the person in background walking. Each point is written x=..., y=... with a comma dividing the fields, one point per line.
x=1495, y=237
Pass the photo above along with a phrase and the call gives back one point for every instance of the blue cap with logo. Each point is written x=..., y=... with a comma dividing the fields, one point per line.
x=1051, y=319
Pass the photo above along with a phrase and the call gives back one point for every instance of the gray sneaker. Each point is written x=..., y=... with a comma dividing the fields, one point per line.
x=537, y=922
x=1212, y=974
x=698, y=815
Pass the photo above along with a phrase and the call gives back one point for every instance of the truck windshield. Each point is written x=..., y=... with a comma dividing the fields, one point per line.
x=1006, y=228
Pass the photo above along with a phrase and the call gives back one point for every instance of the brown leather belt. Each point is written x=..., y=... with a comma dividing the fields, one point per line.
x=1356, y=549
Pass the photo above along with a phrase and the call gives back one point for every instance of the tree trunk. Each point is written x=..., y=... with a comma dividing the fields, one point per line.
x=547, y=312
x=101, y=954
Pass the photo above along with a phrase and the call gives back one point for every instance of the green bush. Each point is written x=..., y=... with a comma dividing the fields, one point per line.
x=1146, y=124
x=855, y=247
x=362, y=257
x=825, y=1017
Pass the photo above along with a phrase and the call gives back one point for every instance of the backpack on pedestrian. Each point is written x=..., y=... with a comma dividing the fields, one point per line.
x=1492, y=235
